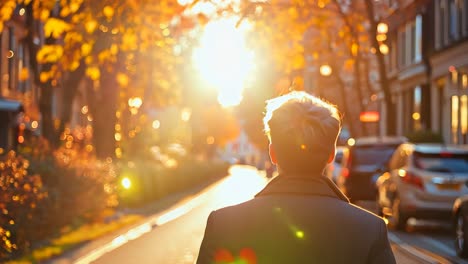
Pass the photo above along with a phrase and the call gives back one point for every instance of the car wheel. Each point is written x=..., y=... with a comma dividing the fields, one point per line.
x=398, y=219
x=461, y=234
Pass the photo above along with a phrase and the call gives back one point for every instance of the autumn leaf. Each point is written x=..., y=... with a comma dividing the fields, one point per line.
x=23, y=74
x=86, y=49
x=108, y=12
x=44, y=76
x=122, y=79
x=49, y=54
x=55, y=27
x=93, y=72
x=91, y=26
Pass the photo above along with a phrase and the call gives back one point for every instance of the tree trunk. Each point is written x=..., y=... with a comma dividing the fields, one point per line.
x=105, y=106
x=46, y=89
x=45, y=107
x=358, y=88
x=70, y=87
x=384, y=85
x=357, y=60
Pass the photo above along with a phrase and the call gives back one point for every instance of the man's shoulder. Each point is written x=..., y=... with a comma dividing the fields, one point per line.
x=336, y=208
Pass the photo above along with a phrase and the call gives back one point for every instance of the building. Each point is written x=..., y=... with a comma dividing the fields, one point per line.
x=449, y=75
x=407, y=65
x=427, y=67
x=15, y=88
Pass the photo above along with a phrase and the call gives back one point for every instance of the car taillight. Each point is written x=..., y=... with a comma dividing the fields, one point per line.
x=411, y=178
x=345, y=172
x=346, y=169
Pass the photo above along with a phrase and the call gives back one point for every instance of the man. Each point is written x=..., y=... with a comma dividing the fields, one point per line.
x=300, y=216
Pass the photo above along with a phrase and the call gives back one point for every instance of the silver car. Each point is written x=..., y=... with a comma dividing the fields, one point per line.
x=423, y=181
x=333, y=169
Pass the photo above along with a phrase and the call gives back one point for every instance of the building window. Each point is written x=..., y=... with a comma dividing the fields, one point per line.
x=402, y=48
x=453, y=20
x=412, y=42
x=464, y=118
x=440, y=96
x=465, y=17
x=393, y=55
x=408, y=110
x=418, y=39
x=416, y=115
x=442, y=24
x=454, y=119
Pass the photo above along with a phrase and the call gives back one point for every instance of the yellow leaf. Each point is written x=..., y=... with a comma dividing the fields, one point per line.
x=55, y=27
x=73, y=37
x=93, y=72
x=91, y=25
x=44, y=77
x=74, y=6
x=88, y=60
x=122, y=79
x=86, y=49
x=354, y=49
x=65, y=11
x=104, y=56
x=23, y=74
x=108, y=12
x=74, y=65
x=49, y=53
x=129, y=41
x=114, y=49
x=6, y=10
x=44, y=14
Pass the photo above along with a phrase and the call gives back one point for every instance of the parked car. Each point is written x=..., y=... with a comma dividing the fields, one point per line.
x=423, y=182
x=363, y=160
x=333, y=170
x=460, y=223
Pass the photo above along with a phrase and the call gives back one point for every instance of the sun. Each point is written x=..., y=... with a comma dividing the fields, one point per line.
x=223, y=60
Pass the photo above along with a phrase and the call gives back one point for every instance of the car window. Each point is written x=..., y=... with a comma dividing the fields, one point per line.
x=377, y=155
x=338, y=157
x=444, y=162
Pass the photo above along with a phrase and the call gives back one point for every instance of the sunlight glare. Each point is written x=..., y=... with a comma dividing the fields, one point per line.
x=223, y=60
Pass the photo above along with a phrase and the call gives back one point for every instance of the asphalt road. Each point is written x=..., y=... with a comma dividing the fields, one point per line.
x=174, y=236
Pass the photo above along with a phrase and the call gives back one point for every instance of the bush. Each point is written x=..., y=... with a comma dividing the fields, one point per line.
x=423, y=136
x=47, y=191
x=20, y=198
x=152, y=181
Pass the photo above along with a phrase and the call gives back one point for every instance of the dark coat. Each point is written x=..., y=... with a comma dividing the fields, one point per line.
x=296, y=220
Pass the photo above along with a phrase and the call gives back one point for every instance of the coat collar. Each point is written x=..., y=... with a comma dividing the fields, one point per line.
x=315, y=185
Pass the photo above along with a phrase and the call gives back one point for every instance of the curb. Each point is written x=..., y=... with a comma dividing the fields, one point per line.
x=416, y=254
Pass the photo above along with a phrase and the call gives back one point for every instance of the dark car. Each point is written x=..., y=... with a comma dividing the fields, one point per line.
x=460, y=222
x=364, y=160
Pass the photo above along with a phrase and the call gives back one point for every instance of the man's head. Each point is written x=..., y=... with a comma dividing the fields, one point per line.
x=302, y=130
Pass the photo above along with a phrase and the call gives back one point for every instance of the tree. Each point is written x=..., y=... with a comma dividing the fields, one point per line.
x=122, y=52
x=343, y=32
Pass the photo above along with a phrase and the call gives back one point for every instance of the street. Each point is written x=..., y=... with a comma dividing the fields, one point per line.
x=175, y=236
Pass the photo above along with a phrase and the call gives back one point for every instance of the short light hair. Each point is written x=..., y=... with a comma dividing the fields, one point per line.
x=303, y=130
